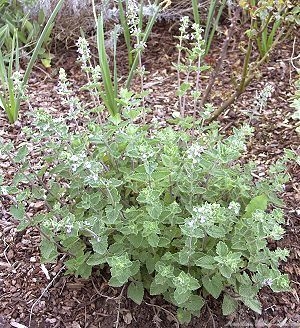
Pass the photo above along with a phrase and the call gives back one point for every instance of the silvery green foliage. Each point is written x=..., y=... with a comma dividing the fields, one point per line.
x=296, y=104
x=177, y=215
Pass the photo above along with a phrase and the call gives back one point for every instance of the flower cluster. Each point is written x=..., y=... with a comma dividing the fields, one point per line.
x=67, y=98
x=84, y=54
x=200, y=214
x=133, y=17
x=235, y=207
x=19, y=87
x=262, y=97
x=194, y=152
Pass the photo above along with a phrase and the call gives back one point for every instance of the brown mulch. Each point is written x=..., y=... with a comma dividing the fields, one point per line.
x=43, y=296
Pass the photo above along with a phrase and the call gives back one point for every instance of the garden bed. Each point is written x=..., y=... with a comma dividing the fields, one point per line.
x=43, y=296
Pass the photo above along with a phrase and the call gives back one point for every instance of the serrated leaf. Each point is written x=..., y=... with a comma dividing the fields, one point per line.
x=214, y=285
x=183, y=316
x=229, y=305
x=135, y=291
x=112, y=213
x=115, y=282
x=222, y=249
x=21, y=154
x=253, y=304
x=38, y=192
x=100, y=244
x=225, y=271
x=48, y=251
x=157, y=289
x=136, y=240
x=247, y=291
x=154, y=210
x=150, y=263
x=207, y=262
x=257, y=203
x=180, y=296
x=215, y=231
x=195, y=303
x=84, y=270
x=96, y=259
x=153, y=240
x=18, y=212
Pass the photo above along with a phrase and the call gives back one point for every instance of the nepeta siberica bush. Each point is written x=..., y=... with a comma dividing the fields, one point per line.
x=167, y=212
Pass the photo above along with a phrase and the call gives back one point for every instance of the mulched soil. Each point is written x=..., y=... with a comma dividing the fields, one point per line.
x=36, y=295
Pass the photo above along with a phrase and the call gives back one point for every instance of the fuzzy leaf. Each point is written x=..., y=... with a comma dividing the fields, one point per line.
x=229, y=305
x=194, y=304
x=214, y=285
x=96, y=259
x=253, y=304
x=215, y=231
x=21, y=154
x=100, y=244
x=48, y=251
x=135, y=291
x=18, y=212
x=207, y=262
x=257, y=203
x=184, y=316
x=157, y=289
x=181, y=297
x=222, y=249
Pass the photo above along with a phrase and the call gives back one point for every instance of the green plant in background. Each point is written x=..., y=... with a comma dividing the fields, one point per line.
x=109, y=88
x=211, y=25
x=251, y=65
x=190, y=59
x=126, y=32
x=270, y=19
x=12, y=91
x=13, y=18
x=211, y=20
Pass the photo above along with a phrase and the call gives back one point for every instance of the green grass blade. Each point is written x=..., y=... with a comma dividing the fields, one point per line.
x=41, y=39
x=215, y=25
x=115, y=40
x=105, y=71
x=145, y=38
x=271, y=36
x=126, y=32
x=196, y=11
x=209, y=19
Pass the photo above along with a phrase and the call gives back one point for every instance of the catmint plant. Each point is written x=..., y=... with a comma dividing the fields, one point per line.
x=189, y=61
x=175, y=214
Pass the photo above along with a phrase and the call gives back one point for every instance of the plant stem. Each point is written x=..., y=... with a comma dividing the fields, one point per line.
x=249, y=77
x=221, y=59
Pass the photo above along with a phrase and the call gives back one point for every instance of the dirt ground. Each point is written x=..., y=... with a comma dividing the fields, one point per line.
x=36, y=295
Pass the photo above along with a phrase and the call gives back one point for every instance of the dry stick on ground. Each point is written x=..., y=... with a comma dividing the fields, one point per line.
x=165, y=310
x=44, y=291
x=211, y=316
x=29, y=219
x=222, y=56
x=119, y=298
x=249, y=75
